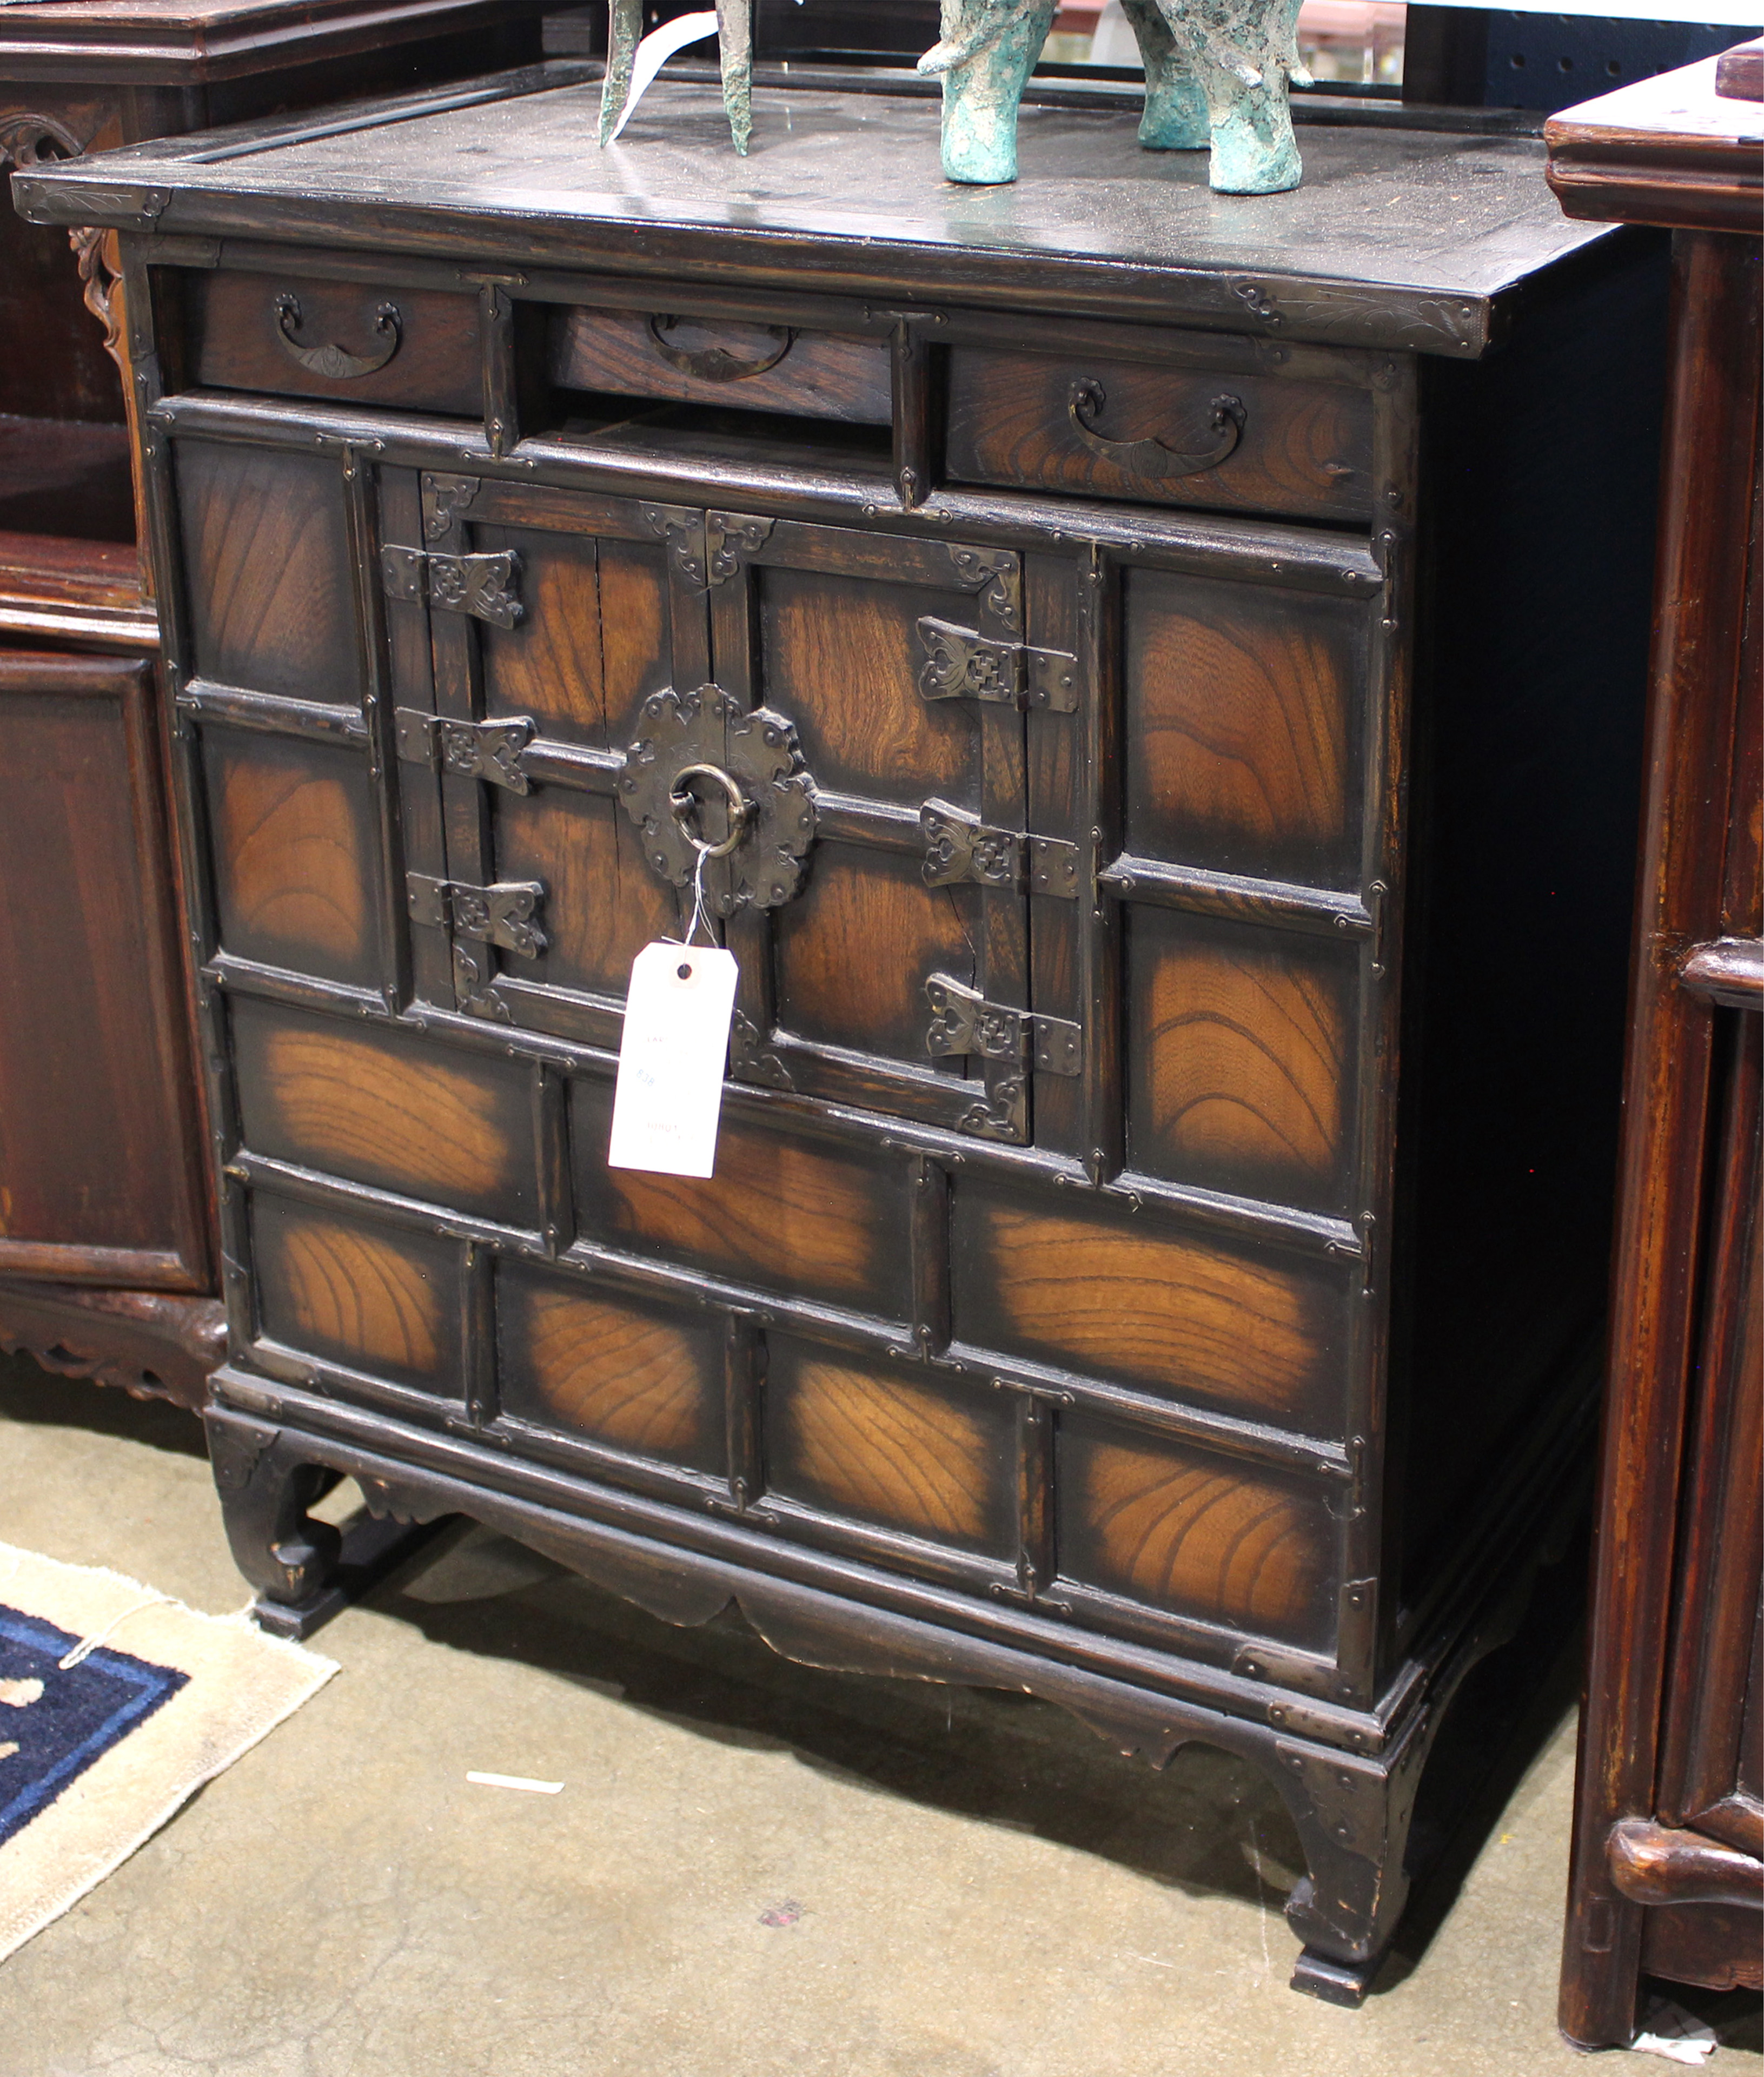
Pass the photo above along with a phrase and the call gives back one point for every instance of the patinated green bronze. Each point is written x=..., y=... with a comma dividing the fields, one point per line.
x=1216, y=73
x=734, y=44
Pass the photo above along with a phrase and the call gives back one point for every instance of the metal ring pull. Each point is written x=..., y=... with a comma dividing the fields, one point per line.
x=682, y=804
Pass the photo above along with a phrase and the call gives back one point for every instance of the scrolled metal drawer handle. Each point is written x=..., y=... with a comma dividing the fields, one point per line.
x=334, y=361
x=1156, y=460
x=713, y=363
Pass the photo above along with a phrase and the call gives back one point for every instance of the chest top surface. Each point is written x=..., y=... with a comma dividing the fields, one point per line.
x=1408, y=237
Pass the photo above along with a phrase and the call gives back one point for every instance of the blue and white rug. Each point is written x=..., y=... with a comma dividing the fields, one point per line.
x=116, y=1704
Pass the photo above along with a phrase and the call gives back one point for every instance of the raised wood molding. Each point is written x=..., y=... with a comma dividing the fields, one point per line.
x=1652, y=1863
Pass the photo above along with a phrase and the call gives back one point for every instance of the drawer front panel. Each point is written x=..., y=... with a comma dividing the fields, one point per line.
x=292, y=829
x=631, y=1378
x=1246, y=726
x=1241, y=1049
x=924, y=1454
x=726, y=362
x=334, y=1286
x=783, y=1213
x=387, y=1110
x=266, y=554
x=1196, y=1534
x=1199, y=1322
x=1129, y=429
x=411, y=348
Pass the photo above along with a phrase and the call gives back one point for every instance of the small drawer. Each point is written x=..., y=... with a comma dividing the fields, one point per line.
x=415, y=347
x=1220, y=439
x=734, y=364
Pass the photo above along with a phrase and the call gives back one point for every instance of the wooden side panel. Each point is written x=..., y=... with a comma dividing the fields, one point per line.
x=267, y=563
x=602, y=903
x=843, y=660
x=1241, y=1049
x=333, y=1286
x=97, y=1148
x=907, y=1449
x=819, y=375
x=292, y=824
x=789, y=1214
x=576, y=1360
x=853, y=952
x=437, y=365
x=1144, y=1305
x=1306, y=447
x=1194, y=1534
x=1244, y=727
x=387, y=1110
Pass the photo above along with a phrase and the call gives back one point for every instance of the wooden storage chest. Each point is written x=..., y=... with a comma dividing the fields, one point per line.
x=1180, y=661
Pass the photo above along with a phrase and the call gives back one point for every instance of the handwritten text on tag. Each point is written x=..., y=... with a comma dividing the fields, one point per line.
x=671, y=1061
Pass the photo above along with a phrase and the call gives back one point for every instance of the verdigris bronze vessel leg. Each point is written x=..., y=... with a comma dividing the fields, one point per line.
x=1244, y=52
x=986, y=51
x=1176, y=118
x=734, y=39
x=624, y=32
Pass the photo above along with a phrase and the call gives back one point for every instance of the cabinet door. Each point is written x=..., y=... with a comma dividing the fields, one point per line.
x=100, y=1174
x=617, y=710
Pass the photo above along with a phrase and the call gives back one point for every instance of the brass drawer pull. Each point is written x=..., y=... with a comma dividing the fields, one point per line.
x=715, y=364
x=1155, y=461
x=333, y=361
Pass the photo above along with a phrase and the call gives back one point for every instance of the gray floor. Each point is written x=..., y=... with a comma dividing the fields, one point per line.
x=754, y=1870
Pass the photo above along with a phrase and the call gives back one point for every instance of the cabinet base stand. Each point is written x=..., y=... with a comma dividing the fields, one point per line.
x=1352, y=1801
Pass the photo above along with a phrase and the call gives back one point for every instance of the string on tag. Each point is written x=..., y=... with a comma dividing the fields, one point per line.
x=700, y=912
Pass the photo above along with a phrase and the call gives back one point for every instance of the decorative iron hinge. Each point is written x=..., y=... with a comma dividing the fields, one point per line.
x=961, y=847
x=707, y=547
x=484, y=586
x=961, y=664
x=963, y=1020
x=488, y=750
x=501, y=914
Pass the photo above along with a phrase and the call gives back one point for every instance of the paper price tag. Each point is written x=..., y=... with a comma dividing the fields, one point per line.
x=669, y=1094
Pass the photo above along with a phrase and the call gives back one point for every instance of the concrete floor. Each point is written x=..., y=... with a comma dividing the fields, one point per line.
x=755, y=1869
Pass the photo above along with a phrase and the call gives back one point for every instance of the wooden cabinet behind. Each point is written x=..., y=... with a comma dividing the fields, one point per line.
x=1668, y=1874
x=107, y=1257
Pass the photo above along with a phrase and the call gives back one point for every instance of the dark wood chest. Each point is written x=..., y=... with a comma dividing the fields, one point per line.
x=1180, y=661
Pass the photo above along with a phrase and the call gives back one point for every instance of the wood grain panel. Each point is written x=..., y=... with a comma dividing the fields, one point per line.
x=292, y=845
x=271, y=600
x=1243, y=727
x=931, y=1458
x=100, y=1149
x=602, y=903
x=1241, y=1058
x=843, y=658
x=821, y=375
x=402, y=1117
x=1192, y=1533
x=438, y=365
x=548, y=666
x=1201, y=1321
x=618, y=1374
x=1305, y=448
x=854, y=951
x=787, y=1213
x=635, y=641
x=383, y=1302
